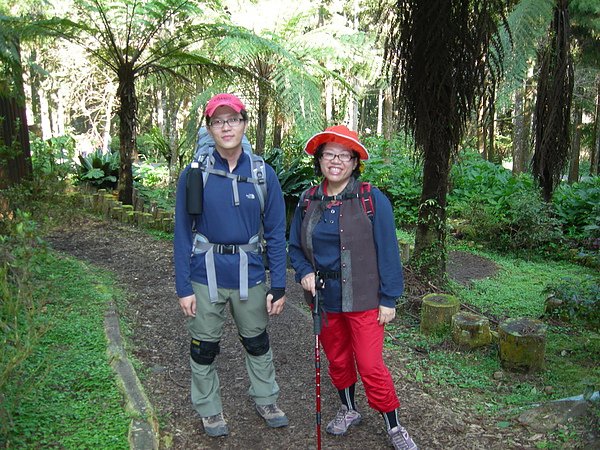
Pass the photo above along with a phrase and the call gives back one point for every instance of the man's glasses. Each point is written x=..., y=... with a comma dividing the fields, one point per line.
x=233, y=122
x=343, y=157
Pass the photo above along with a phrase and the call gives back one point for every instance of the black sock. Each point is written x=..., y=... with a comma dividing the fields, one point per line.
x=391, y=419
x=347, y=397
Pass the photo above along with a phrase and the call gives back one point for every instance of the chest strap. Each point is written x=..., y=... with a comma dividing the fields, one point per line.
x=329, y=275
x=201, y=245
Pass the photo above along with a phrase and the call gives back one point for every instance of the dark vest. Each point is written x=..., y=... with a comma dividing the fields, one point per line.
x=358, y=257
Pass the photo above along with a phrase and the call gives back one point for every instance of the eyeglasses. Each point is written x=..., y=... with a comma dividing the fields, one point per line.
x=343, y=157
x=233, y=122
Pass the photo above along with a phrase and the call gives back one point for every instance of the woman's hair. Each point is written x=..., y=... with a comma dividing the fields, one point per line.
x=317, y=165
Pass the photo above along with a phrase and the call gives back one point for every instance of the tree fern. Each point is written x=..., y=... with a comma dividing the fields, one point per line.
x=528, y=23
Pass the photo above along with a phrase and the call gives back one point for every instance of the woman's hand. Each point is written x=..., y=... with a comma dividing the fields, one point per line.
x=308, y=283
x=386, y=315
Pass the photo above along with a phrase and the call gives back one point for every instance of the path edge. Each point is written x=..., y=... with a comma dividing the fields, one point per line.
x=143, y=429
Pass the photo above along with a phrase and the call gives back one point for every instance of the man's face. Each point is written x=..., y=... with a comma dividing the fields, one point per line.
x=227, y=136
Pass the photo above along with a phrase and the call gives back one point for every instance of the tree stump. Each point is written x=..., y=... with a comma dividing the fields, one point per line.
x=470, y=330
x=404, y=251
x=437, y=311
x=522, y=344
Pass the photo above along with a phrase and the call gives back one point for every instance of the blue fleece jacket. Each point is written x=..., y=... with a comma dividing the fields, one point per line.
x=224, y=223
x=326, y=246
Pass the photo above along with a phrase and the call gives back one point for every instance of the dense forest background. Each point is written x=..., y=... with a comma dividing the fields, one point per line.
x=515, y=82
x=482, y=120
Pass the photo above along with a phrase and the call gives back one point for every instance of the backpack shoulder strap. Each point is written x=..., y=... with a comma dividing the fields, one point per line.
x=259, y=174
x=306, y=197
x=367, y=199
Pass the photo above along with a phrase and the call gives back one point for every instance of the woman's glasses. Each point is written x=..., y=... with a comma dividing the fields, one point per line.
x=343, y=157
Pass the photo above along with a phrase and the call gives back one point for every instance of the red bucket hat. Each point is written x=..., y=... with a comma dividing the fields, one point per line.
x=223, y=100
x=339, y=134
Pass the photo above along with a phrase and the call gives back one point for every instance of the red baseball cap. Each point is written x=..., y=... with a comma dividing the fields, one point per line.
x=339, y=134
x=223, y=100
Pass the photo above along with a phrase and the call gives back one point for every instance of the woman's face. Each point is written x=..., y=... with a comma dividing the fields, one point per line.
x=337, y=162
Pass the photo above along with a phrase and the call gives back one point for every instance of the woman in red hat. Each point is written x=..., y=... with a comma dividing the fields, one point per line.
x=343, y=235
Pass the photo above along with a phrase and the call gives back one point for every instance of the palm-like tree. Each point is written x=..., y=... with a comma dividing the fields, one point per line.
x=134, y=39
x=289, y=65
x=553, y=104
x=436, y=54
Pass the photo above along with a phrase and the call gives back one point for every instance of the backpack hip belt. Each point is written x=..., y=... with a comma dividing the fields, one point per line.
x=202, y=245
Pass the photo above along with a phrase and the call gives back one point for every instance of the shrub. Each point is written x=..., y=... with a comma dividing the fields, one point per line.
x=503, y=211
x=577, y=299
x=295, y=174
x=52, y=157
x=577, y=206
x=151, y=175
x=99, y=169
x=19, y=307
x=393, y=168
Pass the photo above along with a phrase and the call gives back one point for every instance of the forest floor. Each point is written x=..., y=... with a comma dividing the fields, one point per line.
x=143, y=265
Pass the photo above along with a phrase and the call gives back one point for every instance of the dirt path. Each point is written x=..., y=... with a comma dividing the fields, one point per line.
x=160, y=343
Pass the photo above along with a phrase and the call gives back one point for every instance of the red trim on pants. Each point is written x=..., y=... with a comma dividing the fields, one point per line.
x=355, y=340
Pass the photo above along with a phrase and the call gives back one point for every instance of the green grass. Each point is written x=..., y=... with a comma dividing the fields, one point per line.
x=517, y=290
x=476, y=375
x=66, y=394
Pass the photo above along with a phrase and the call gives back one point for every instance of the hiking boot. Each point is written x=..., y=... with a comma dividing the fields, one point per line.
x=274, y=417
x=215, y=425
x=400, y=439
x=343, y=420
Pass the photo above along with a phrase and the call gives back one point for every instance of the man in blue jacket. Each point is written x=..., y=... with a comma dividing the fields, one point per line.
x=218, y=262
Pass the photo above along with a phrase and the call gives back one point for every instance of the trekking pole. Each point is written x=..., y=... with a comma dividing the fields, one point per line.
x=319, y=282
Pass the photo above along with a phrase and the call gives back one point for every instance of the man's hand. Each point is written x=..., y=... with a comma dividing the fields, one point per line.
x=308, y=283
x=188, y=305
x=385, y=315
x=275, y=308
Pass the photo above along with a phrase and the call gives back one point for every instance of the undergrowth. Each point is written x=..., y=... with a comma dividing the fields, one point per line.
x=517, y=290
x=57, y=388
x=66, y=393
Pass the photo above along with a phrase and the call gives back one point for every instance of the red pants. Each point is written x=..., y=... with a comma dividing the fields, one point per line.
x=355, y=340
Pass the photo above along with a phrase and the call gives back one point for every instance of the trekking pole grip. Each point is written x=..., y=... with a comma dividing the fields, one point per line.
x=319, y=285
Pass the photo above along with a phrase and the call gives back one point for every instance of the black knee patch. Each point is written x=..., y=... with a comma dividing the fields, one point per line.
x=257, y=345
x=204, y=352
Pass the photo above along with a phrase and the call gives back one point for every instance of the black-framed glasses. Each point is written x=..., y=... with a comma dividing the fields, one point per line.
x=233, y=122
x=343, y=157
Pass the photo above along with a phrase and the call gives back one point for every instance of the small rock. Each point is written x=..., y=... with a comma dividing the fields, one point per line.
x=498, y=375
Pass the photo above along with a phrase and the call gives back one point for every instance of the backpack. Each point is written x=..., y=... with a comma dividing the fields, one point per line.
x=364, y=193
x=205, y=161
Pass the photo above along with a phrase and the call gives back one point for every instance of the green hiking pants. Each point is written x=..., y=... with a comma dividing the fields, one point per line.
x=251, y=319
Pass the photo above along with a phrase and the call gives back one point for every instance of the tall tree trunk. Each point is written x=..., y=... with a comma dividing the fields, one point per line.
x=108, y=117
x=595, y=156
x=429, y=258
x=380, y=100
x=59, y=120
x=389, y=119
x=33, y=91
x=15, y=154
x=576, y=143
x=328, y=101
x=277, y=128
x=528, y=122
x=128, y=106
x=44, y=111
x=518, y=143
x=261, y=122
x=553, y=105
